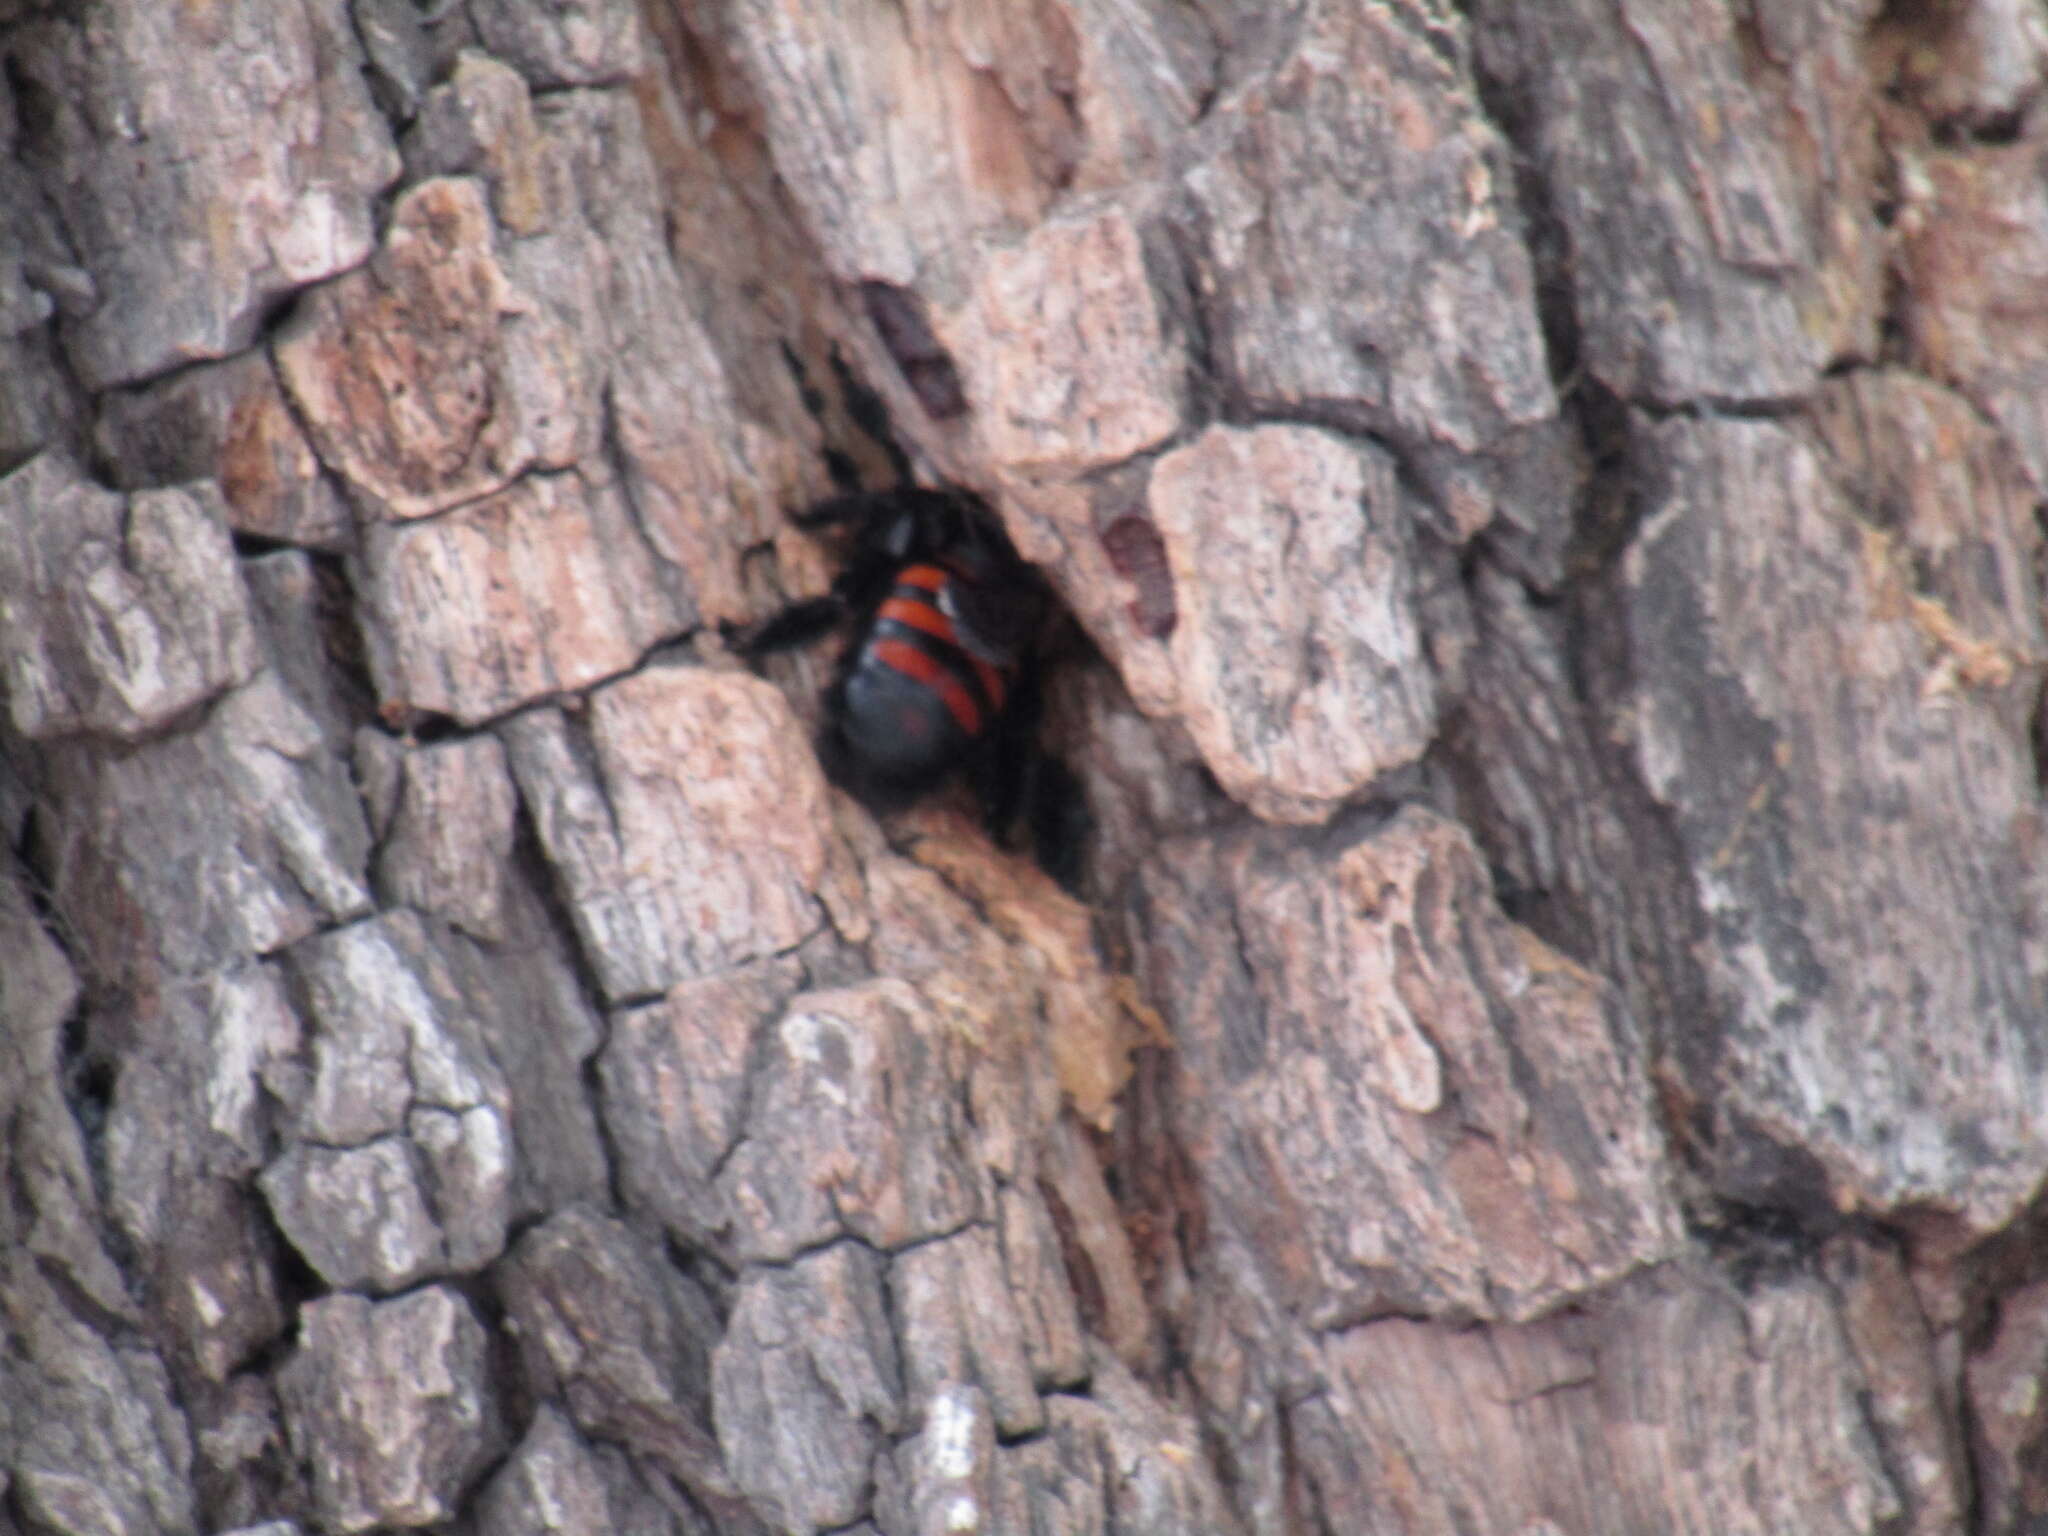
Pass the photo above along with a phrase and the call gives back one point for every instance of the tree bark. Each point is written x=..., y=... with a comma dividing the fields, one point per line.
x=1543, y=504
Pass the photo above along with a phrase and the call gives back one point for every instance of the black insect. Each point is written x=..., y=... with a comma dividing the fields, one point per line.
x=940, y=671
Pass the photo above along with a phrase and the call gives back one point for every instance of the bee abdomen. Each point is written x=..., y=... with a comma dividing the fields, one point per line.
x=914, y=636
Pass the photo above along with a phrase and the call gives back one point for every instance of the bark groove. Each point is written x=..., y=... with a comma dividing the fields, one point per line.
x=1544, y=505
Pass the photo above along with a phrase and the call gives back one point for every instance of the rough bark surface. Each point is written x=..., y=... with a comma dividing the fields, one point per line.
x=1545, y=510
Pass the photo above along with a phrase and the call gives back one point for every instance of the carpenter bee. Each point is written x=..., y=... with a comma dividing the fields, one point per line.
x=940, y=674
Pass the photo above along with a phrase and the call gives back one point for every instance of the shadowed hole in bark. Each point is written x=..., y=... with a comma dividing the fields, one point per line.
x=504, y=1371
x=1180, y=266
x=898, y=317
x=88, y=1079
x=297, y=1283
x=35, y=860
x=341, y=639
x=1760, y=1246
x=1546, y=234
x=1139, y=555
x=2000, y=128
x=1964, y=132
x=419, y=727
x=1609, y=511
x=1771, y=1187
x=529, y=862
x=1521, y=903
x=253, y=546
x=278, y=312
x=36, y=107
x=2038, y=736
x=1080, y=1268
x=808, y=393
x=865, y=408
x=838, y=463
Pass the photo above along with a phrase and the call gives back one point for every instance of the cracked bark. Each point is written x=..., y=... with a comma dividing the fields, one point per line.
x=1544, y=503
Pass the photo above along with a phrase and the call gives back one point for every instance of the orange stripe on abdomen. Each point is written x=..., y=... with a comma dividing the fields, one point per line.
x=930, y=618
x=902, y=656
x=917, y=614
